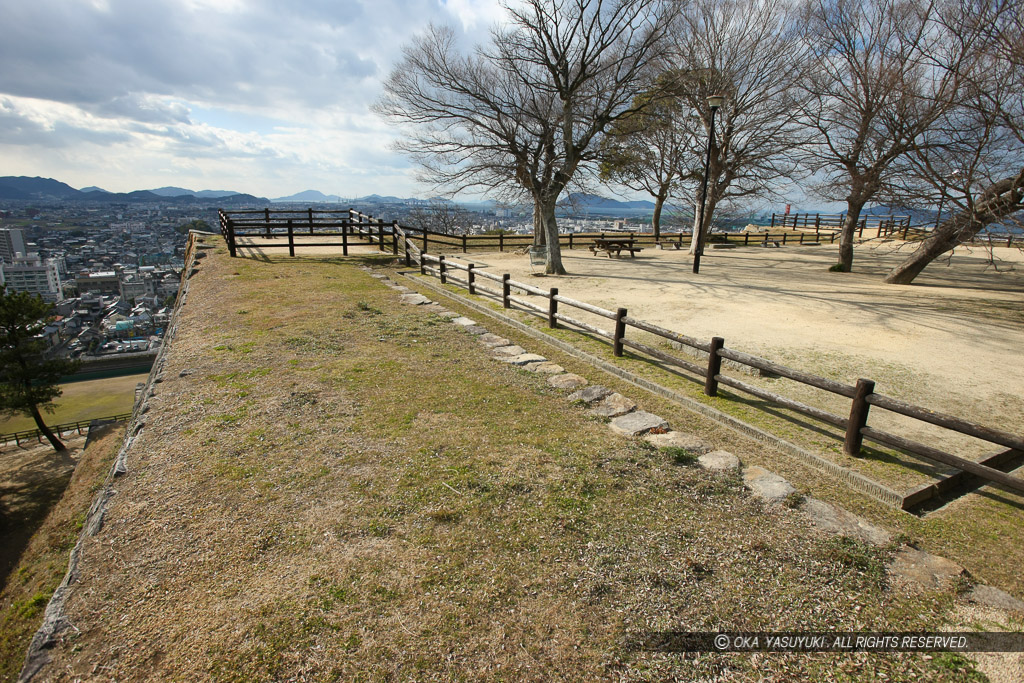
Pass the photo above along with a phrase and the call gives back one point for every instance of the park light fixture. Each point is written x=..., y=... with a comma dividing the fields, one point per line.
x=714, y=101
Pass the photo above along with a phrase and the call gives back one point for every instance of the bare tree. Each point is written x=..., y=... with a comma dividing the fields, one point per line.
x=443, y=216
x=527, y=111
x=648, y=151
x=749, y=52
x=973, y=160
x=882, y=75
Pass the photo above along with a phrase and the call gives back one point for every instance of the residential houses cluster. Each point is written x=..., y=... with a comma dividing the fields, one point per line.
x=112, y=286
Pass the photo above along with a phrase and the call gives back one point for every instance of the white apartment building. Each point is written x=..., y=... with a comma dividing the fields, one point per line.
x=33, y=275
x=12, y=243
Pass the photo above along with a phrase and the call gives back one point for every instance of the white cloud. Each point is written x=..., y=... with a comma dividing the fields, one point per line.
x=263, y=96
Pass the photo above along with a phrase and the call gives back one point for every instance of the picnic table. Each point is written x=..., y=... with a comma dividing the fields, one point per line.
x=615, y=245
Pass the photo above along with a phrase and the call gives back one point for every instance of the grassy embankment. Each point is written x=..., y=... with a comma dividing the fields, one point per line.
x=369, y=496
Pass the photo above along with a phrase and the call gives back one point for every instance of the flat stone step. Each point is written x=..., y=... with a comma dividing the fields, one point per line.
x=510, y=350
x=547, y=367
x=493, y=340
x=688, y=442
x=766, y=485
x=719, y=461
x=414, y=299
x=590, y=394
x=464, y=321
x=637, y=423
x=612, y=406
x=567, y=381
x=836, y=520
x=523, y=359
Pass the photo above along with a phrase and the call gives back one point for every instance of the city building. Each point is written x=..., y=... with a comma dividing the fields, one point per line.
x=12, y=243
x=34, y=275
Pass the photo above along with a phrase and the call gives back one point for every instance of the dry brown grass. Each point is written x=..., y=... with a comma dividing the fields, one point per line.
x=345, y=488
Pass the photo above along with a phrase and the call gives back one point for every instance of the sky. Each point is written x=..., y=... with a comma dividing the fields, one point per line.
x=267, y=97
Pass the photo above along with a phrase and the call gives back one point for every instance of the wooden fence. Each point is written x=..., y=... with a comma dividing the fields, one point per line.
x=59, y=430
x=413, y=245
x=341, y=228
x=885, y=225
x=862, y=396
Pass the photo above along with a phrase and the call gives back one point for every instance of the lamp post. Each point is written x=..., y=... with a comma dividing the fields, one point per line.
x=714, y=101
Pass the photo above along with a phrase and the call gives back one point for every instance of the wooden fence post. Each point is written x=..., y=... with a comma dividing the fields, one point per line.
x=232, y=247
x=425, y=240
x=266, y=221
x=440, y=268
x=773, y=222
x=408, y=258
x=471, y=278
x=620, y=331
x=552, y=308
x=506, y=291
x=714, y=367
x=309, y=212
x=394, y=238
x=291, y=238
x=858, y=417
x=501, y=243
x=423, y=265
x=463, y=243
x=570, y=241
x=344, y=237
x=380, y=234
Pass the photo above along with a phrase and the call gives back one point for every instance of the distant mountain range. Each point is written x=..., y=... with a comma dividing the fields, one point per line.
x=43, y=189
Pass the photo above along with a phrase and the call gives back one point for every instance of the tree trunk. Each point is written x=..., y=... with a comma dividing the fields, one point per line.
x=848, y=233
x=997, y=202
x=539, y=236
x=50, y=436
x=709, y=214
x=659, y=202
x=554, y=265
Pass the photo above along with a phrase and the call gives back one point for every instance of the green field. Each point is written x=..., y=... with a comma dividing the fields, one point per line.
x=84, y=401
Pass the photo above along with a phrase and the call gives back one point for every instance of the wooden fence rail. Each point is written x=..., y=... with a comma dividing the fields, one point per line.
x=59, y=430
x=354, y=225
x=861, y=395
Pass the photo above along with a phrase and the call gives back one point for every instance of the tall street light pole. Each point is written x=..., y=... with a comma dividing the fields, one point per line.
x=714, y=101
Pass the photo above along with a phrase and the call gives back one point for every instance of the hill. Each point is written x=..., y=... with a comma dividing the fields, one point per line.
x=47, y=189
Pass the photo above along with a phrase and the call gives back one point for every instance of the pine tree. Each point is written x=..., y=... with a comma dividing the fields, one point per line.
x=28, y=380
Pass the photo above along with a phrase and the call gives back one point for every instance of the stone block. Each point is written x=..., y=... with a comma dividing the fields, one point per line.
x=766, y=485
x=522, y=359
x=836, y=520
x=414, y=299
x=493, y=340
x=591, y=394
x=567, y=381
x=924, y=569
x=547, y=368
x=637, y=423
x=612, y=406
x=510, y=350
x=464, y=321
x=719, y=461
x=688, y=442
